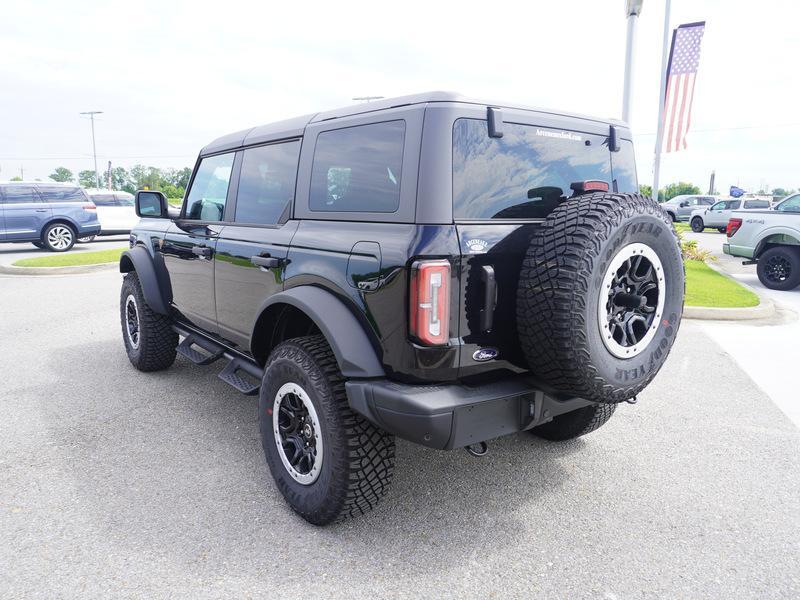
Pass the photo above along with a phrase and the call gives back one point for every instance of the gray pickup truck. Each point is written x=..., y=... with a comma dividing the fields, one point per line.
x=771, y=240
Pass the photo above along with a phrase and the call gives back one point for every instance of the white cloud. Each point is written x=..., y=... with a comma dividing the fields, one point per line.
x=172, y=76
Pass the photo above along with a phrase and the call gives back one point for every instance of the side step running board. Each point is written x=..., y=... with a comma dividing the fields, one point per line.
x=239, y=364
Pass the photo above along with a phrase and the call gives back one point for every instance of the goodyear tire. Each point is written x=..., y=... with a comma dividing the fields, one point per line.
x=328, y=462
x=150, y=341
x=601, y=296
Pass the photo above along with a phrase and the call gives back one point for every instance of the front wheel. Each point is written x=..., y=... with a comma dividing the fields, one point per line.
x=779, y=268
x=697, y=225
x=328, y=462
x=150, y=341
x=58, y=237
x=575, y=424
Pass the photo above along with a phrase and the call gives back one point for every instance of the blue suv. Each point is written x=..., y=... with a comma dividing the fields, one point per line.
x=52, y=216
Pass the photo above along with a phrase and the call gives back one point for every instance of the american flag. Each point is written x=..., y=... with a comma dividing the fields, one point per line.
x=684, y=58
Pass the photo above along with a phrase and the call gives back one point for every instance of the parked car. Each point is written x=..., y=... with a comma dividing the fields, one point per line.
x=50, y=215
x=771, y=239
x=719, y=213
x=115, y=212
x=680, y=208
x=429, y=267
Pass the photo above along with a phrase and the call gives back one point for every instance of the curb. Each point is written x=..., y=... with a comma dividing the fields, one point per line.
x=73, y=270
x=764, y=309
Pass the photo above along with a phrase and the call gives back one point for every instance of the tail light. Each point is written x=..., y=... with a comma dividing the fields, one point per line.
x=430, y=302
x=733, y=226
x=89, y=206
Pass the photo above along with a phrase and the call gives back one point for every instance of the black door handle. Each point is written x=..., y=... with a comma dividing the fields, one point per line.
x=489, y=297
x=266, y=261
x=203, y=251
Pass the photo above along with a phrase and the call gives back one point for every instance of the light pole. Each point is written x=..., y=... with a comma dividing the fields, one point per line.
x=91, y=114
x=633, y=9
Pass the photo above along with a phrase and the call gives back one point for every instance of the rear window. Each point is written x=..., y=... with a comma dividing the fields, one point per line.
x=756, y=204
x=61, y=194
x=357, y=169
x=528, y=172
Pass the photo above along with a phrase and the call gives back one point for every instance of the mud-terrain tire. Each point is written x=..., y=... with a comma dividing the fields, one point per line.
x=604, y=346
x=303, y=408
x=574, y=424
x=697, y=225
x=150, y=341
x=779, y=268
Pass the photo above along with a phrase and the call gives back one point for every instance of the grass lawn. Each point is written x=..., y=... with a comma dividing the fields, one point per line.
x=706, y=287
x=680, y=226
x=70, y=259
x=176, y=202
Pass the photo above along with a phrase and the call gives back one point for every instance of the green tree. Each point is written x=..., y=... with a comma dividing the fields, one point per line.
x=87, y=179
x=646, y=190
x=16, y=178
x=121, y=180
x=678, y=189
x=781, y=192
x=62, y=174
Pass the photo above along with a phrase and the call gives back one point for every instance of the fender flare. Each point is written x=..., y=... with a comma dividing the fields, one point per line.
x=345, y=335
x=763, y=242
x=138, y=259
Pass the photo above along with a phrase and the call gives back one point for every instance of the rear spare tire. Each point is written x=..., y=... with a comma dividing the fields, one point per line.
x=601, y=296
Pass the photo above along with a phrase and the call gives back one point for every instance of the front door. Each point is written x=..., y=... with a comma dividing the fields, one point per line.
x=190, y=243
x=251, y=253
x=24, y=212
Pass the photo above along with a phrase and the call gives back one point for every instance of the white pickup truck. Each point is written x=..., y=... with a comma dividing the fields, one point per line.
x=771, y=240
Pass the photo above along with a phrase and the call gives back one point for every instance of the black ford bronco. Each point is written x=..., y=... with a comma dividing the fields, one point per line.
x=429, y=267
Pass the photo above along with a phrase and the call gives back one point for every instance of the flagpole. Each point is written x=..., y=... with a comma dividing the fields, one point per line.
x=661, y=101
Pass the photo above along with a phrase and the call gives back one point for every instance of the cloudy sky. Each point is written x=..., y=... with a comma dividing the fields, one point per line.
x=171, y=76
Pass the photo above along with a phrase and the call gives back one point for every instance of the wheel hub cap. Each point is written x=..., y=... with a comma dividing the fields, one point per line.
x=132, y=320
x=296, y=428
x=778, y=269
x=631, y=300
x=59, y=237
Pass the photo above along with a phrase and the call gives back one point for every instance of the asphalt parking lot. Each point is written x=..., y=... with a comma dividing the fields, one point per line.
x=118, y=483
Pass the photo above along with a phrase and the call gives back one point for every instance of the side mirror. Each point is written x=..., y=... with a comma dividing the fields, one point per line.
x=151, y=205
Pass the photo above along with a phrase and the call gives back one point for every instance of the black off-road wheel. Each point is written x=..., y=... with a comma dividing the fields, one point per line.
x=601, y=296
x=575, y=424
x=697, y=225
x=779, y=268
x=328, y=462
x=150, y=341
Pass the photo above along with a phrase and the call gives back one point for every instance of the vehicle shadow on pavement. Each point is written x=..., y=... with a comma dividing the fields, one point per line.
x=174, y=459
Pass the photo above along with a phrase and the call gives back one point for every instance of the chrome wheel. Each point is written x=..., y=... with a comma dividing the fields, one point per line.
x=631, y=300
x=59, y=237
x=132, y=320
x=297, y=433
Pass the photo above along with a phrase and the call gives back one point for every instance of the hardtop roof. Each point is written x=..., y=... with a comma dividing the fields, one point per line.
x=295, y=127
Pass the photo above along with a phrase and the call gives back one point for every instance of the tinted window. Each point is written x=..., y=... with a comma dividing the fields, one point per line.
x=706, y=201
x=17, y=194
x=526, y=173
x=266, y=183
x=623, y=167
x=206, y=201
x=790, y=204
x=124, y=199
x=52, y=193
x=358, y=169
x=720, y=205
x=103, y=199
x=756, y=204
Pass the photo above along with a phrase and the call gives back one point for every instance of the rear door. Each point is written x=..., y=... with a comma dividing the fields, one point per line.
x=502, y=189
x=251, y=251
x=190, y=242
x=25, y=213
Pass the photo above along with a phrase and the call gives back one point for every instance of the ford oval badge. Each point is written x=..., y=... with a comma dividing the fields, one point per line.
x=484, y=354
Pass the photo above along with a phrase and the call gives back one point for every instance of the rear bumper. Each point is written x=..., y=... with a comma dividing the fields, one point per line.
x=741, y=251
x=87, y=230
x=453, y=416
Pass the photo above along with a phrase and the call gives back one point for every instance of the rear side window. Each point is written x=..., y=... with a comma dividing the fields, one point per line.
x=756, y=204
x=706, y=201
x=124, y=199
x=266, y=183
x=61, y=194
x=623, y=167
x=206, y=201
x=358, y=169
x=526, y=173
x=103, y=199
x=18, y=194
